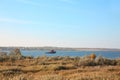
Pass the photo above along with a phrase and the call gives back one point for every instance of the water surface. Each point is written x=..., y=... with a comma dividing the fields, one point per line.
x=107, y=54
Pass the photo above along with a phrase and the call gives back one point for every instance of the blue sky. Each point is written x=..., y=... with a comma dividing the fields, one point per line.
x=61, y=23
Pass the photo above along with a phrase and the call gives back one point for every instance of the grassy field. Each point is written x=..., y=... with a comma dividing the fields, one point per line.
x=59, y=68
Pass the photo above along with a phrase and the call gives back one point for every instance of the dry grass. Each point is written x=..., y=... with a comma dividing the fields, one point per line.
x=60, y=68
x=82, y=73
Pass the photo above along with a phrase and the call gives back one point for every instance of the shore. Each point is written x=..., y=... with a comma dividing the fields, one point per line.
x=60, y=48
x=60, y=68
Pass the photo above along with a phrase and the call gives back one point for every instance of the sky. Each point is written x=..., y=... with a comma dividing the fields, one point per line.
x=60, y=23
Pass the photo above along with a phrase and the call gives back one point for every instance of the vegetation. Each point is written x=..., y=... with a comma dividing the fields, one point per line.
x=17, y=67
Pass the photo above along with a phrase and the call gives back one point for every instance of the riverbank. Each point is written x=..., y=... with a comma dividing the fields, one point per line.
x=60, y=68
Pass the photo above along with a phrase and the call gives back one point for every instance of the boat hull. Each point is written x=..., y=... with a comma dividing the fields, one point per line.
x=50, y=52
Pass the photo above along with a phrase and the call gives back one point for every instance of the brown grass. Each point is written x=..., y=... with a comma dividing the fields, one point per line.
x=60, y=68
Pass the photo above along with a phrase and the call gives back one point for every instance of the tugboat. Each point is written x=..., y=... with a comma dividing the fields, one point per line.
x=51, y=52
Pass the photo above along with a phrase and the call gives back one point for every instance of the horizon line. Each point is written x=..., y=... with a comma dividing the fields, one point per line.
x=59, y=47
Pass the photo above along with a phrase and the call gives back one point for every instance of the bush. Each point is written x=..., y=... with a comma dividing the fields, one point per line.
x=86, y=61
x=118, y=62
x=57, y=67
x=15, y=54
x=93, y=56
x=104, y=61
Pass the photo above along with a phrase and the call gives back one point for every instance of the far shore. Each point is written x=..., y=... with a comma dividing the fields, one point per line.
x=61, y=48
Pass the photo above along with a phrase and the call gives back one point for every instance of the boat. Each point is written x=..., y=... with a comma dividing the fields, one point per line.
x=51, y=52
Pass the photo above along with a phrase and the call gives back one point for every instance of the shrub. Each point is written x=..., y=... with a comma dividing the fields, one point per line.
x=57, y=67
x=104, y=61
x=118, y=61
x=15, y=54
x=1, y=59
x=93, y=56
x=86, y=61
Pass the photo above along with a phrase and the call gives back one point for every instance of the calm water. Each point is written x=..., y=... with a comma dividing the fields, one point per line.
x=107, y=54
